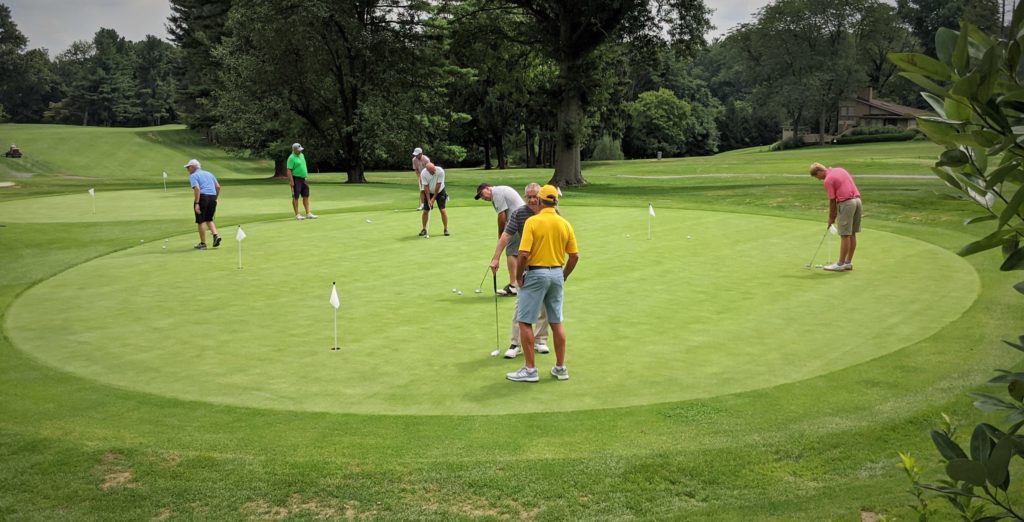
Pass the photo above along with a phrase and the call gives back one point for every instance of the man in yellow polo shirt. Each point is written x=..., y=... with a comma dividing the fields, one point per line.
x=548, y=253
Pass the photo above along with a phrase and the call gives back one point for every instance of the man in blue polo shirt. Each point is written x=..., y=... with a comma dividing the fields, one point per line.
x=205, y=190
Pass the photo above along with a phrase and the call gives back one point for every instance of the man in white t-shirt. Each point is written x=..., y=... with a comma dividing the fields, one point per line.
x=504, y=199
x=432, y=181
x=419, y=162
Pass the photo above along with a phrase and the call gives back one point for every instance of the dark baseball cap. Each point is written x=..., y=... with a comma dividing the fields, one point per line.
x=480, y=188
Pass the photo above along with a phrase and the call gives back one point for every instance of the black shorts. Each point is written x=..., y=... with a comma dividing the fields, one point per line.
x=300, y=188
x=442, y=197
x=207, y=208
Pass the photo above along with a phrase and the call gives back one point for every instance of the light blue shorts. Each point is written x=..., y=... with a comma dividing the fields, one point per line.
x=541, y=287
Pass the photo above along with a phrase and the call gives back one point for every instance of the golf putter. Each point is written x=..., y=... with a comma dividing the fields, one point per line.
x=497, y=347
x=481, y=285
x=811, y=263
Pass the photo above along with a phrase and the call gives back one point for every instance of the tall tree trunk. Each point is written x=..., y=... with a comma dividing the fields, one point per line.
x=569, y=134
x=355, y=167
x=280, y=168
x=499, y=151
x=531, y=154
x=487, y=155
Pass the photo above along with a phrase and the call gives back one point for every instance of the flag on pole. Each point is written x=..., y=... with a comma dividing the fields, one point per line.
x=335, y=301
x=165, y=181
x=239, y=236
x=92, y=196
x=92, y=192
x=650, y=209
x=650, y=214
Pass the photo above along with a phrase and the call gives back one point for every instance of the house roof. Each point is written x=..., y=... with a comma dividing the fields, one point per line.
x=893, y=108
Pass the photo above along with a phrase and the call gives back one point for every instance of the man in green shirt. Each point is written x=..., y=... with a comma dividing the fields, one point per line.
x=297, y=181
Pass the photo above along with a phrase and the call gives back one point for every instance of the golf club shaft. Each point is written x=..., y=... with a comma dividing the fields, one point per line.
x=816, y=250
x=494, y=279
x=484, y=278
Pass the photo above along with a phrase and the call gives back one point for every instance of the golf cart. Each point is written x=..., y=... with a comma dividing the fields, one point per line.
x=14, y=152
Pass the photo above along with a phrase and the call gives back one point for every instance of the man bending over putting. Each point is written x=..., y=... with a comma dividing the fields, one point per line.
x=504, y=200
x=844, y=208
x=548, y=254
x=509, y=242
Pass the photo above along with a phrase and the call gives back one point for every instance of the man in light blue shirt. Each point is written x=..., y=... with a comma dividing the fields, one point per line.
x=205, y=190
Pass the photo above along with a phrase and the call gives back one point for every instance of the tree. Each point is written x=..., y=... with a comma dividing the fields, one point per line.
x=154, y=77
x=570, y=33
x=926, y=17
x=357, y=87
x=28, y=84
x=975, y=91
x=197, y=27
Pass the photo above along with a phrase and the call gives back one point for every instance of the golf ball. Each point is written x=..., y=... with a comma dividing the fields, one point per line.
x=689, y=237
x=477, y=290
x=164, y=247
x=460, y=292
x=455, y=290
x=142, y=241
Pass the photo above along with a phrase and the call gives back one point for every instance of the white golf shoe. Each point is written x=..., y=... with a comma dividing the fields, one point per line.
x=299, y=217
x=523, y=374
x=311, y=215
x=835, y=267
x=513, y=352
x=542, y=348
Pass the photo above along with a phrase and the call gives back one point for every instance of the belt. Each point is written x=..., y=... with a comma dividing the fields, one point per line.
x=533, y=267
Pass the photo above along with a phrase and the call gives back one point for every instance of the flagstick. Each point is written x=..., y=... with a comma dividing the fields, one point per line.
x=165, y=181
x=648, y=226
x=336, y=348
x=239, y=255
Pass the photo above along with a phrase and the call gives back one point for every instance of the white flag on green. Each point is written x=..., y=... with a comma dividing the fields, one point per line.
x=92, y=192
x=240, y=235
x=335, y=301
x=650, y=209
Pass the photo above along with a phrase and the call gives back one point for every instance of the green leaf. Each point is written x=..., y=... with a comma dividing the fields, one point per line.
x=988, y=402
x=979, y=219
x=953, y=158
x=998, y=462
x=1014, y=261
x=1017, y=346
x=938, y=103
x=946, y=175
x=993, y=240
x=1012, y=208
x=965, y=470
x=920, y=80
x=961, y=57
x=947, y=448
x=921, y=64
x=945, y=44
x=1008, y=377
x=1013, y=53
x=937, y=131
x=999, y=174
x=1016, y=390
x=981, y=445
x=1019, y=287
x=968, y=85
x=956, y=109
x=989, y=72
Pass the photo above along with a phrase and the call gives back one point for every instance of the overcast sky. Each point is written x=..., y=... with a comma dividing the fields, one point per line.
x=54, y=24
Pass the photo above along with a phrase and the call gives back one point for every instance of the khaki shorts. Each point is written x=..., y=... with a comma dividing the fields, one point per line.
x=849, y=217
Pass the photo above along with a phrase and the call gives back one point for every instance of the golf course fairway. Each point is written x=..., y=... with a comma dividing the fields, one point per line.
x=714, y=303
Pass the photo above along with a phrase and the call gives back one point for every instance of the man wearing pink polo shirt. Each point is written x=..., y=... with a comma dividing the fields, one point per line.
x=844, y=208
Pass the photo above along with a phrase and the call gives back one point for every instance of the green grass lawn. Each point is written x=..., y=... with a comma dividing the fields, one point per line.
x=713, y=376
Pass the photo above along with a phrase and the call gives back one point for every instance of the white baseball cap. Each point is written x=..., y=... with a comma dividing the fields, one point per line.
x=416, y=152
x=296, y=146
x=193, y=163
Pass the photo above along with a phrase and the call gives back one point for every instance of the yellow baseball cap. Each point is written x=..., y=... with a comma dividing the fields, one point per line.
x=549, y=193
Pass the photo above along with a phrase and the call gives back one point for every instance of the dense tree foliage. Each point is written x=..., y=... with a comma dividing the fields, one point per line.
x=491, y=82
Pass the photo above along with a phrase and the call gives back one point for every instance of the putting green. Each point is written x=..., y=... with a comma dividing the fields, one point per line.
x=715, y=303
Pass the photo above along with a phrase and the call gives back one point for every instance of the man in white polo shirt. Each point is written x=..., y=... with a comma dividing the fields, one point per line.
x=505, y=200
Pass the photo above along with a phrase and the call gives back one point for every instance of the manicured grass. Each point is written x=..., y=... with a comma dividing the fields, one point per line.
x=112, y=435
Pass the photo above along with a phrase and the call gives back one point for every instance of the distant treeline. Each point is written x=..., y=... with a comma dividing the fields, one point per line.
x=491, y=82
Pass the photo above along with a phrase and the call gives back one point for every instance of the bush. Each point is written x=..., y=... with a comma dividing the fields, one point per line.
x=876, y=138
x=793, y=142
x=874, y=129
x=607, y=148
